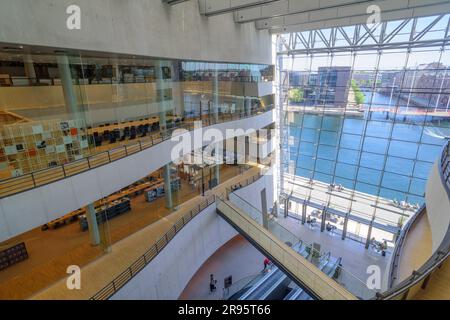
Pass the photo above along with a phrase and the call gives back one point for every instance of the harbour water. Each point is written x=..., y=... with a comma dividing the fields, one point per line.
x=387, y=155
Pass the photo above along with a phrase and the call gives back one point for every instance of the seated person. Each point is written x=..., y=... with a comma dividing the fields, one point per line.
x=329, y=227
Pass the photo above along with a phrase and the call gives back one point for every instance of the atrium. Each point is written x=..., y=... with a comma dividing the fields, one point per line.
x=224, y=150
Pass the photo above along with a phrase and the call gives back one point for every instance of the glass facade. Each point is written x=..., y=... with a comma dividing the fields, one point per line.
x=61, y=107
x=66, y=110
x=370, y=122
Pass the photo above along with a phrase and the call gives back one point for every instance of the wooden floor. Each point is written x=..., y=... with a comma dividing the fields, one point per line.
x=100, y=272
x=438, y=287
x=417, y=249
x=51, y=251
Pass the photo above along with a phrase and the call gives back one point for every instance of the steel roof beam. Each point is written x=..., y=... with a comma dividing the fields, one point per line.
x=352, y=14
x=214, y=7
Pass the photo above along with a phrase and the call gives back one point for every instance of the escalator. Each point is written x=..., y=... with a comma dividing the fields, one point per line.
x=274, y=284
x=328, y=267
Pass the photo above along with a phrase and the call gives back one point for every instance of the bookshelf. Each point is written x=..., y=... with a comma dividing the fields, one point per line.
x=32, y=146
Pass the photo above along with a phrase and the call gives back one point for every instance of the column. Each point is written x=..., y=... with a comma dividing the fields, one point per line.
x=264, y=209
x=216, y=89
x=168, y=187
x=240, y=105
x=324, y=219
x=116, y=72
x=248, y=106
x=218, y=162
x=178, y=95
x=344, y=227
x=258, y=148
x=66, y=81
x=28, y=65
x=286, y=207
x=369, y=235
x=304, y=207
x=162, y=124
x=91, y=218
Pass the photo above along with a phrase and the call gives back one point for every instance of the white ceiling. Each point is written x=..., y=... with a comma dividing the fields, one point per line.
x=285, y=16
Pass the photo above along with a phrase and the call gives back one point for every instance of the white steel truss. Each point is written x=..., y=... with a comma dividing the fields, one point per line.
x=366, y=37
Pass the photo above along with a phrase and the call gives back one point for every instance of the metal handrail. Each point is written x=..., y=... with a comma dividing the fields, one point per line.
x=122, y=279
x=421, y=276
x=111, y=288
x=39, y=178
x=396, y=254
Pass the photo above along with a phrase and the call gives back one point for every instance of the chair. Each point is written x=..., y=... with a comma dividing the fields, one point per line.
x=133, y=133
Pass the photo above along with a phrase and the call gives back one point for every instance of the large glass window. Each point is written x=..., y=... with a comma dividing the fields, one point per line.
x=371, y=121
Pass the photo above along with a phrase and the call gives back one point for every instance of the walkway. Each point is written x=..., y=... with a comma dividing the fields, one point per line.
x=355, y=258
x=362, y=206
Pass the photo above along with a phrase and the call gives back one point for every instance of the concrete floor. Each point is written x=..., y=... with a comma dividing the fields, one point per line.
x=360, y=204
x=51, y=251
x=355, y=258
x=237, y=258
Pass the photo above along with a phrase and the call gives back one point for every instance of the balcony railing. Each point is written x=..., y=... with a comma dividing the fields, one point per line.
x=43, y=177
x=114, y=286
x=420, y=278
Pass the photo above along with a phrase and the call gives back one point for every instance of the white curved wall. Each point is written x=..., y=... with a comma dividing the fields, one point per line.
x=438, y=206
x=137, y=27
x=33, y=208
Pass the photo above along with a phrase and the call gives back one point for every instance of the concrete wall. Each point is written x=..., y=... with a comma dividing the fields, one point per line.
x=169, y=273
x=137, y=27
x=438, y=206
x=252, y=193
x=33, y=208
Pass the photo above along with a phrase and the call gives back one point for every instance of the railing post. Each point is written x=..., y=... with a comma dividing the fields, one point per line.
x=126, y=151
x=32, y=178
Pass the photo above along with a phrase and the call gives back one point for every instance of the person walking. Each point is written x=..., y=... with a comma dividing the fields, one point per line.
x=266, y=264
x=212, y=284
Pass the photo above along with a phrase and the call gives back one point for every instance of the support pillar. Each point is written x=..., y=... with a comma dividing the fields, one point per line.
x=67, y=84
x=240, y=105
x=168, y=187
x=344, y=227
x=248, y=106
x=92, y=221
x=304, y=207
x=264, y=209
x=216, y=90
x=324, y=219
x=163, y=127
x=28, y=65
x=369, y=234
x=258, y=148
x=217, y=174
x=286, y=207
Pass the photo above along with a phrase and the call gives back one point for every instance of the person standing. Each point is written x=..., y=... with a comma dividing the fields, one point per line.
x=266, y=264
x=212, y=284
